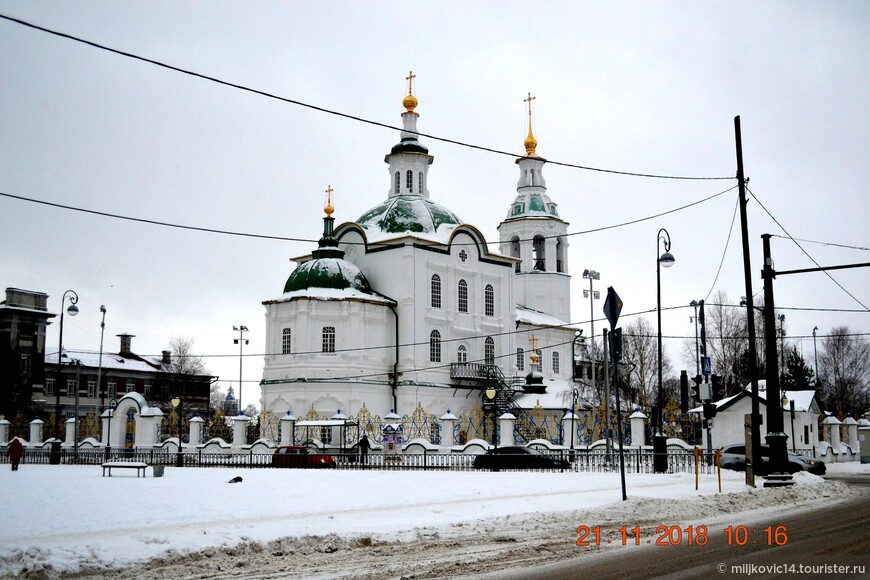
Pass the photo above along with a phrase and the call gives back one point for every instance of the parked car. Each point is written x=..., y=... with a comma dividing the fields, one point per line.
x=300, y=456
x=734, y=457
x=518, y=458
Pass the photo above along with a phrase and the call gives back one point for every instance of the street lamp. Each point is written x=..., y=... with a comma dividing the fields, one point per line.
x=815, y=356
x=241, y=342
x=578, y=335
x=575, y=395
x=100, y=363
x=694, y=304
x=176, y=404
x=73, y=310
x=490, y=394
x=660, y=461
x=592, y=275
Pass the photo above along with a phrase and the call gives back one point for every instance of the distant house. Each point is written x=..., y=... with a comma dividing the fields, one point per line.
x=156, y=378
x=23, y=318
x=801, y=427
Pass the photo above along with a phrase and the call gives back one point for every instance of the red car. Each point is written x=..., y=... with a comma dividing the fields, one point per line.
x=300, y=456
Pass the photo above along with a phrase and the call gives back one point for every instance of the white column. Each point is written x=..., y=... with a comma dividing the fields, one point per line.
x=104, y=420
x=288, y=428
x=569, y=426
x=36, y=432
x=637, y=432
x=852, y=435
x=448, y=429
x=195, y=431
x=4, y=431
x=506, y=429
x=832, y=426
x=69, y=432
x=240, y=427
x=146, y=427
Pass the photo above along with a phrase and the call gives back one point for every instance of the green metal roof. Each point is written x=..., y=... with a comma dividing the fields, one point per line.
x=408, y=213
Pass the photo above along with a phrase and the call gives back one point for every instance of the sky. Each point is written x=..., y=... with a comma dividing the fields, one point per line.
x=189, y=509
x=638, y=87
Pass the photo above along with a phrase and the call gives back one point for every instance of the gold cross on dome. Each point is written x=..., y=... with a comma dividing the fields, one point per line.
x=534, y=340
x=529, y=101
x=329, y=191
x=410, y=78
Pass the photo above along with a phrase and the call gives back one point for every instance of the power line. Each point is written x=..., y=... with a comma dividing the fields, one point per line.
x=832, y=244
x=332, y=112
x=852, y=296
x=307, y=240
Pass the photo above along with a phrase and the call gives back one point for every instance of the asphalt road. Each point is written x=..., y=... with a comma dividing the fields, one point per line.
x=838, y=535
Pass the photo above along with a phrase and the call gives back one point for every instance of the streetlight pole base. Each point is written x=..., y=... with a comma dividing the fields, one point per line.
x=779, y=475
x=660, y=453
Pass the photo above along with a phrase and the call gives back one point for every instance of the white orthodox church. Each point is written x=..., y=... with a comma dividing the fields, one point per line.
x=407, y=306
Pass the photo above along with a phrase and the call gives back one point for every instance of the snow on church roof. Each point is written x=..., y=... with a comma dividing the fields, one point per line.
x=409, y=215
x=327, y=294
x=529, y=316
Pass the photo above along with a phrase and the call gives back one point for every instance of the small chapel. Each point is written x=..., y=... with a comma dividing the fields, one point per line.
x=407, y=309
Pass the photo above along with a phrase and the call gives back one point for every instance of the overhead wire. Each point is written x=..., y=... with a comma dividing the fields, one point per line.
x=330, y=111
x=832, y=244
x=807, y=254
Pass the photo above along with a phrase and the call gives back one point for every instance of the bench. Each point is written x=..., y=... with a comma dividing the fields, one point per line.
x=138, y=466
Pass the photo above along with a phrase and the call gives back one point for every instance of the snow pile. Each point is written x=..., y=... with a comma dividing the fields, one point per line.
x=69, y=518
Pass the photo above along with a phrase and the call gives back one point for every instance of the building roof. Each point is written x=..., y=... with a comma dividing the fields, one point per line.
x=803, y=400
x=409, y=215
x=529, y=316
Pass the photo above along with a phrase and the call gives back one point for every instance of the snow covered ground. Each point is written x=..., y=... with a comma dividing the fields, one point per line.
x=70, y=518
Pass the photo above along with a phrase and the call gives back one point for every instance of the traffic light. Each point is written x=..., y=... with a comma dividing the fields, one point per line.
x=696, y=387
x=710, y=410
x=716, y=385
x=684, y=392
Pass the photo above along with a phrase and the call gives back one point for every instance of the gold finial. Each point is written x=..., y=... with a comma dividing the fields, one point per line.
x=530, y=143
x=328, y=208
x=534, y=357
x=410, y=101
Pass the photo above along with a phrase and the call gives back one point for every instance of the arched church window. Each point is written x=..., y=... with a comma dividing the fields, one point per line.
x=555, y=363
x=538, y=255
x=328, y=339
x=560, y=255
x=521, y=360
x=461, y=354
x=409, y=181
x=489, y=351
x=463, y=296
x=434, y=346
x=489, y=300
x=435, y=301
x=398, y=183
x=420, y=183
x=285, y=341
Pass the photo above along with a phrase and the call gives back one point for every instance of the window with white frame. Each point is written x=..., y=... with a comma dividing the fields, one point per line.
x=24, y=365
x=49, y=385
x=130, y=385
x=434, y=346
x=435, y=300
x=398, y=182
x=461, y=354
x=555, y=363
x=521, y=360
x=112, y=388
x=409, y=181
x=420, y=183
x=489, y=351
x=147, y=389
x=92, y=388
x=328, y=339
x=70, y=387
x=463, y=296
x=285, y=341
x=489, y=300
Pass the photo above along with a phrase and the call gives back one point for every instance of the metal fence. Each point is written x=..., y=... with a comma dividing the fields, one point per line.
x=636, y=460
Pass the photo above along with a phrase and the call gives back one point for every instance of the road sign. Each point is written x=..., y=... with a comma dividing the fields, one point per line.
x=707, y=366
x=612, y=306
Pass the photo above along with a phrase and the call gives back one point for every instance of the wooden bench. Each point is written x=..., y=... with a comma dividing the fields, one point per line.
x=138, y=466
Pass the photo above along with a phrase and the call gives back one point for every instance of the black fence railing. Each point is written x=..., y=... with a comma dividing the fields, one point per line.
x=636, y=460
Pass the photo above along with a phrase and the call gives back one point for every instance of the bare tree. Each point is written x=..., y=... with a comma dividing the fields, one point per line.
x=640, y=354
x=844, y=370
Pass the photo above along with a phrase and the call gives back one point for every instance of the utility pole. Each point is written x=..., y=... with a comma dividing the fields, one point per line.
x=755, y=422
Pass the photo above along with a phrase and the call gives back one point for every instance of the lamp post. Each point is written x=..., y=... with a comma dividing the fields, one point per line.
x=660, y=461
x=592, y=275
x=575, y=395
x=241, y=342
x=176, y=404
x=490, y=394
x=100, y=363
x=73, y=310
x=781, y=318
x=815, y=356
x=112, y=405
x=694, y=304
x=75, y=440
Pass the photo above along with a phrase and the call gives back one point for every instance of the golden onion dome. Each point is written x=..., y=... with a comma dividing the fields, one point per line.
x=530, y=144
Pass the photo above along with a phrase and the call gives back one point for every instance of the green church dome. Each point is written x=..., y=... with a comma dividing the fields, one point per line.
x=327, y=273
x=411, y=214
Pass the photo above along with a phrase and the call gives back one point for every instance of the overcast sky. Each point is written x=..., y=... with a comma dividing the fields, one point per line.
x=630, y=86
